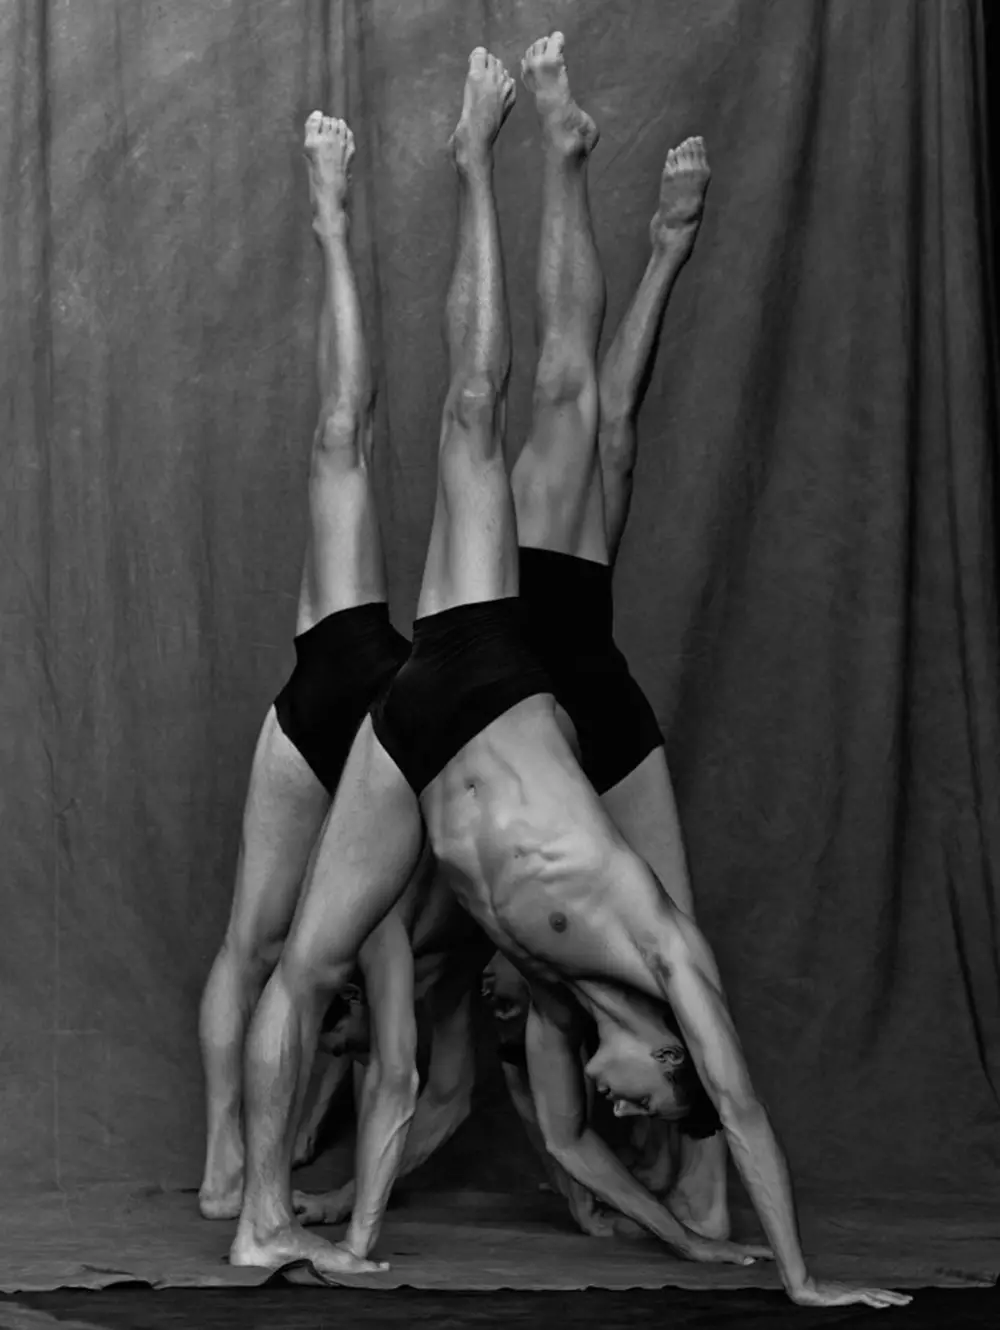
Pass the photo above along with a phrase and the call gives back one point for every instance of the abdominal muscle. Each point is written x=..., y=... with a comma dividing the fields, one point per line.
x=524, y=841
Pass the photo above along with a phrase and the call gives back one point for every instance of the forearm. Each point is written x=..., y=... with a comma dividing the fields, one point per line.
x=434, y=1122
x=387, y=1110
x=316, y=1108
x=591, y=1163
x=520, y=1093
x=762, y=1166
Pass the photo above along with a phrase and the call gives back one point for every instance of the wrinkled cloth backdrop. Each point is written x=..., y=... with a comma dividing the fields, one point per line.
x=806, y=590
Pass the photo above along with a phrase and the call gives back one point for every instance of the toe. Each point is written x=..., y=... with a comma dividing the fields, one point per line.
x=556, y=43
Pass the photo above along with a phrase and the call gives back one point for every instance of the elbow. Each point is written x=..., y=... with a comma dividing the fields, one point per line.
x=399, y=1081
x=560, y=1147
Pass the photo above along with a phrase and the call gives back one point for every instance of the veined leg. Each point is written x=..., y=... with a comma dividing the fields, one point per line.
x=472, y=553
x=367, y=854
x=283, y=815
x=626, y=365
x=556, y=479
x=286, y=803
x=344, y=562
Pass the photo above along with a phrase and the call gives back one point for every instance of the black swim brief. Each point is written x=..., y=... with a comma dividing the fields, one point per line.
x=569, y=619
x=468, y=666
x=342, y=665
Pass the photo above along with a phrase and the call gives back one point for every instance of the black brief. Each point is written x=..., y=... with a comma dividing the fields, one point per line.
x=569, y=620
x=342, y=665
x=468, y=666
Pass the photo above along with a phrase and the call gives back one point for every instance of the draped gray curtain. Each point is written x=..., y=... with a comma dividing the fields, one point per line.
x=807, y=587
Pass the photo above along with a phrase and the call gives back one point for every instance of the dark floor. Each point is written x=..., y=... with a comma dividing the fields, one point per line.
x=142, y=1308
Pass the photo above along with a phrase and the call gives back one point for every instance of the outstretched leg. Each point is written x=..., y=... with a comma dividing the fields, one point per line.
x=556, y=479
x=472, y=552
x=284, y=812
x=373, y=838
x=286, y=803
x=368, y=852
x=626, y=365
x=344, y=562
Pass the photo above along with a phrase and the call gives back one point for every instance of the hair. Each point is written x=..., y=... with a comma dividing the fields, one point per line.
x=339, y=1007
x=702, y=1119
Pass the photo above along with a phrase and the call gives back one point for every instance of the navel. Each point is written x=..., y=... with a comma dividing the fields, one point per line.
x=558, y=923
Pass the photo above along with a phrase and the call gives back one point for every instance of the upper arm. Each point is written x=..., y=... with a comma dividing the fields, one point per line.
x=386, y=961
x=695, y=993
x=555, y=1074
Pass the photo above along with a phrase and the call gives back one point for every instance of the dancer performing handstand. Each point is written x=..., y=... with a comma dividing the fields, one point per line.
x=346, y=653
x=470, y=726
x=571, y=498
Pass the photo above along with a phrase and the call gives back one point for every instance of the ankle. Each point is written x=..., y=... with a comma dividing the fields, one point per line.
x=472, y=154
x=330, y=224
x=671, y=245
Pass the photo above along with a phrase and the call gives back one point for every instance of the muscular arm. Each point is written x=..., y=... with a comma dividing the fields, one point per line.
x=583, y=1204
x=443, y=1105
x=446, y=1098
x=691, y=984
x=323, y=1093
x=389, y=1089
x=559, y=1093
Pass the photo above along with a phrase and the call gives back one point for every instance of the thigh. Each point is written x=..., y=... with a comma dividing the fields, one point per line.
x=557, y=481
x=643, y=808
x=472, y=551
x=344, y=564
x=368, y=851
x=284, y=812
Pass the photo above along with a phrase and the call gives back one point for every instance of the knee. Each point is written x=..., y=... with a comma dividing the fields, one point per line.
x=252, y=957
x=563, y=378
x=616, y=445
x=312, y=981
x=473, y=406
x=343, y=435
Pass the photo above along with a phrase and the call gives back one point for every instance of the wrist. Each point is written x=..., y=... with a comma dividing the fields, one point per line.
x=795, y=1279
x=357, y=1241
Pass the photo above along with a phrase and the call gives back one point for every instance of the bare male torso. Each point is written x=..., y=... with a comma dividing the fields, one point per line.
x=527, y=847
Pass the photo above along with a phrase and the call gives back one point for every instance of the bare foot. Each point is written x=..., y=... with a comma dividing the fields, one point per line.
x=329, y=150
x=223, y=1204
x=221, y=1193
x=543, y=72
x=292, y=1244
x=489, y=95
x=685, y=179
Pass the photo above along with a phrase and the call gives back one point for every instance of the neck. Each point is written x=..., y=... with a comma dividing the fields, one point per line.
x=614, y=1008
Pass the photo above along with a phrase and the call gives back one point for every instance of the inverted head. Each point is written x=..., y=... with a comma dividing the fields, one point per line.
x=346, y=1023
x=647, y=1078
x=509, y=999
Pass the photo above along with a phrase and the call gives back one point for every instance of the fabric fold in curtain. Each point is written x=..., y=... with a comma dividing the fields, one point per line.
x=807, y=588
